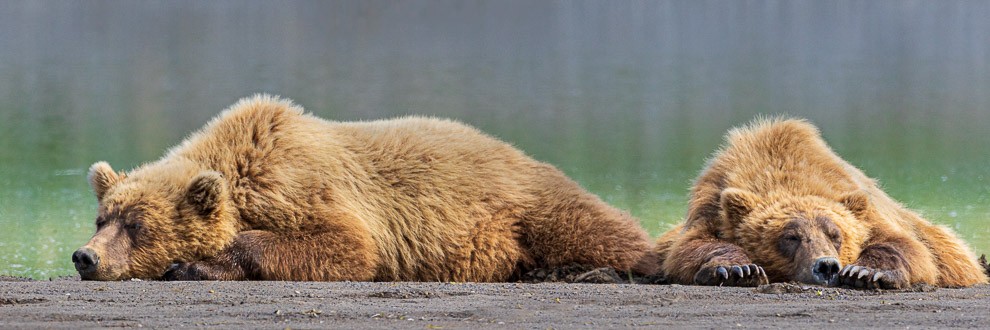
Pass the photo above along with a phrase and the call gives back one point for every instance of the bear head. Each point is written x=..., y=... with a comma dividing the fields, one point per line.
x=795, y=238
x=153, y=217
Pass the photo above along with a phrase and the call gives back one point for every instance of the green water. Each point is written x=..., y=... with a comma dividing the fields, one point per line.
x=628, y=98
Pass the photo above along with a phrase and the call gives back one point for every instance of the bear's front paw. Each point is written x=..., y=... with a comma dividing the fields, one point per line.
x=735, y=275
x=186, y=271
x=862, y=277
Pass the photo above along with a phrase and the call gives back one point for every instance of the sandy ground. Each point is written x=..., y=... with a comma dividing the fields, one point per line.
x=69, y=303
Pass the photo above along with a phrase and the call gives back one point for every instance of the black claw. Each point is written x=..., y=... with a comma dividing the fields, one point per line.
x=863, y=278
x=845, y=271
x=853, y=271
x=171, y=272
x=879, y=280
x=736, y=270
x=749, y=269
x=721, y=272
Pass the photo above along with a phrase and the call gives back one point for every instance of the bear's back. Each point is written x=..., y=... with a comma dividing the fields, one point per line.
x=782, y=156
x=432, y=180
x=774, y=158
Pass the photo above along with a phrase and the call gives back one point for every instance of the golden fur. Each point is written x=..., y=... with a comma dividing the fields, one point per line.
x=268, y=192
x=771, y=172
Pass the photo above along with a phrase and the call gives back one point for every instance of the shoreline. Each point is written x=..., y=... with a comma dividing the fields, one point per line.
x=68, y=302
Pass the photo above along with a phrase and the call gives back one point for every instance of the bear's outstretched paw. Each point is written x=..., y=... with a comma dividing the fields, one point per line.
x=735, y=275
x=862, y=277
x=186, y=271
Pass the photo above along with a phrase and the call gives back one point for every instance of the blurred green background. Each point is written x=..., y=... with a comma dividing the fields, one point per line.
x=628, y=98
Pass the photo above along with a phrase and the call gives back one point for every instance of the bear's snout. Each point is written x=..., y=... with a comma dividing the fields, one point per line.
x=86, y=261
x=825, y=269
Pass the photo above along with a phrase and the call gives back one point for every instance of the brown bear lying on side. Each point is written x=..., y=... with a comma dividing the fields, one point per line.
x=266, y=192
x=776, y=204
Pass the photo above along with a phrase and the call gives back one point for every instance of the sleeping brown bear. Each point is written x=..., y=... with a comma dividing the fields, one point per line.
x=267, y=192
x=776, y=204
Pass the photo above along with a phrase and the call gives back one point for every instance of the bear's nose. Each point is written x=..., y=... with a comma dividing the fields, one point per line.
x=825, y=268
x=85, y=259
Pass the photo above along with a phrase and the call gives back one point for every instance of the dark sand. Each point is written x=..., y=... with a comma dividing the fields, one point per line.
x=70, y=303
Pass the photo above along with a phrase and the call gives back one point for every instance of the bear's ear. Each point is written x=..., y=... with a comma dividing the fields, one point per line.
x=737, y=203
x=101, y=177
x=857, y=202
x=206, y=192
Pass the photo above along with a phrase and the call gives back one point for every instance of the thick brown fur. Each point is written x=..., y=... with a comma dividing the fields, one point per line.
x=267, y=192
x=774, y=188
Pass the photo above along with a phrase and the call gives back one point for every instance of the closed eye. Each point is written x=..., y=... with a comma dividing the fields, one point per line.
x=835, y=235
x=836, y=238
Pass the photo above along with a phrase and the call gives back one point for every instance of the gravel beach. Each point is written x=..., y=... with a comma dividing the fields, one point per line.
x=70, y=303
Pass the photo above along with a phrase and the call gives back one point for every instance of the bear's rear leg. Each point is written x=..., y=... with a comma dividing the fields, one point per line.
x=491, y=252
x=570, y=226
